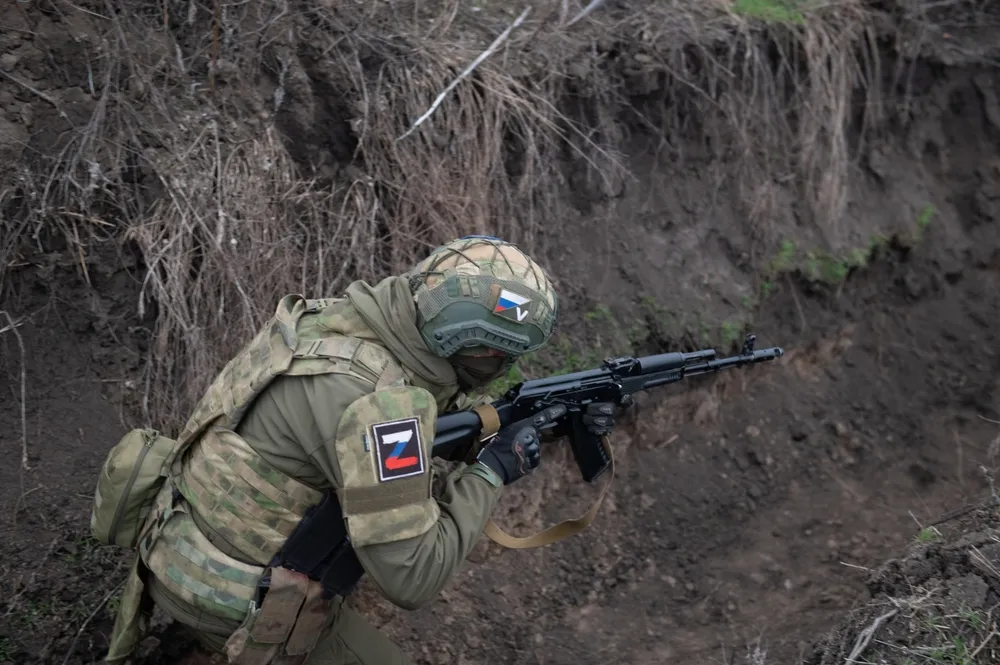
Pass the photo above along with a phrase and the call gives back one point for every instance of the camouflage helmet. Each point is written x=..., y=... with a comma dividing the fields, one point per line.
x=480, y=291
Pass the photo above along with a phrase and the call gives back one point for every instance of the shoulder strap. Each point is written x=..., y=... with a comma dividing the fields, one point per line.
x=557, y=532
x=267, y=355
x=354, y=355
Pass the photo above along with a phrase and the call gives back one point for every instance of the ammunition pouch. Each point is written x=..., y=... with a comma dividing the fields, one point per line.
x=295, y=599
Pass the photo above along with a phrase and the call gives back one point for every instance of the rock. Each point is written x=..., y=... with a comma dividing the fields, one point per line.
x=8, y=61
x=797, y=430
x=878, y=161
x=74, y=95
x=915, y=285
x=968, y=592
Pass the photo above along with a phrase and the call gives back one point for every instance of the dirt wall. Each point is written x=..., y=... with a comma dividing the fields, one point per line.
x=747, y=511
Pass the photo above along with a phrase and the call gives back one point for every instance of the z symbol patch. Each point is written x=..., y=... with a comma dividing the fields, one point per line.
x=512, y=306
x=398, y=448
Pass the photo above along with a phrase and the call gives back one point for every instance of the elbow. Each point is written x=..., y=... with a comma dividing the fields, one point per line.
x=411, y=603
x=411, y=598
x=407, y=580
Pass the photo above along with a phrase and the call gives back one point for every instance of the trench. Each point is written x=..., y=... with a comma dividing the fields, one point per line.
x=746, y=510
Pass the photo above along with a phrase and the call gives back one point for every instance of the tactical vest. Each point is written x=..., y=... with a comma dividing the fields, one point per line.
x=248, y=502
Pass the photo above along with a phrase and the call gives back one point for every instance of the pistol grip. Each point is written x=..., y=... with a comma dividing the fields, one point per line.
x=588, y=450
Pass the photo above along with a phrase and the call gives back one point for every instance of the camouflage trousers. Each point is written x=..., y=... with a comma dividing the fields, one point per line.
x=351, y=640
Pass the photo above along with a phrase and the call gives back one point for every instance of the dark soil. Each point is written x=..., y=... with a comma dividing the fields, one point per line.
x=936, y=603
x=750, y=513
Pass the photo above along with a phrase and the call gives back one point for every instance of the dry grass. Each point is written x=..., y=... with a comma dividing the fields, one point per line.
x=255, y=149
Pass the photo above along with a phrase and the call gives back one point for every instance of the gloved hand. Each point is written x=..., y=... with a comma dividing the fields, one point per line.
x=514, y=452
x=599, y=418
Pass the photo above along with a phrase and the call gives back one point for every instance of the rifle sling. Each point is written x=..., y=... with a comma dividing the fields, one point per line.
x=490, y=418
x=556, y=532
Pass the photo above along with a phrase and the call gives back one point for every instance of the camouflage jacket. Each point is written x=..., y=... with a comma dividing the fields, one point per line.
x=341, y=412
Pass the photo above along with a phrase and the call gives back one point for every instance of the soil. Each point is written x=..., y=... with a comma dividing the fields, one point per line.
x=751, y=513
x=933, y=603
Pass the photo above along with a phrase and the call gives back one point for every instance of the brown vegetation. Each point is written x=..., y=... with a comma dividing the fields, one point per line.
x=230, y=153
x=272, y=147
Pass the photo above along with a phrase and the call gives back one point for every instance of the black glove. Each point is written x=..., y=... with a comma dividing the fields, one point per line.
x=514, y=452
x=599, y=418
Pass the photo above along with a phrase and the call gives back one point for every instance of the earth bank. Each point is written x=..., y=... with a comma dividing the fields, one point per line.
x=746, y=509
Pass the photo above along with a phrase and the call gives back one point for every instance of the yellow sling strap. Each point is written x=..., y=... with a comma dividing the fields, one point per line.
x=555, y=533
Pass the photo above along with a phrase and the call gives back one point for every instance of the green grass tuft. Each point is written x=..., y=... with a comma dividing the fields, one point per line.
x=772, y=11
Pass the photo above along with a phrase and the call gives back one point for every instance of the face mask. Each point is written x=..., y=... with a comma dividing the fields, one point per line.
x=477, y=371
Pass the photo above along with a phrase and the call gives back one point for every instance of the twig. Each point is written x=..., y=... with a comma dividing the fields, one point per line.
x=21, y=500
x=972, y=657
x=594, y=4
x=12, y=327
x=107, y=596
x=48, y=98
x=989, y=420
x=865, y=638
x=959, y=512
x=468, y=70
x=850, y=565
x=984, y=565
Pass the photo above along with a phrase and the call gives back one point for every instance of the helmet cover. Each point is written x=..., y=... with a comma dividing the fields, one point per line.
x=480, y=291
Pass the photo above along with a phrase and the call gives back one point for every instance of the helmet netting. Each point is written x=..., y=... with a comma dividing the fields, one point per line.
x=479, y=256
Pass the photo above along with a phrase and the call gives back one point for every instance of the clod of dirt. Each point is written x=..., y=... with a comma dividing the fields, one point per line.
x=936, y=604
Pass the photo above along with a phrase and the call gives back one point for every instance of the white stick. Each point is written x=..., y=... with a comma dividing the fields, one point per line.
x=468, y=70
x=865, y=637
x=594, y=4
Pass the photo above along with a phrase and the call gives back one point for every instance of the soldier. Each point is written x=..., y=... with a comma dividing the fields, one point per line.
x=327, y=418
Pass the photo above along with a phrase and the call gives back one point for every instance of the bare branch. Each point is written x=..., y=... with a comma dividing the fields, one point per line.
x=468, y=70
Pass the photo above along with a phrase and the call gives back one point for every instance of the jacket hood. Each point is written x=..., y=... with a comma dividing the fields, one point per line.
x=390, y=314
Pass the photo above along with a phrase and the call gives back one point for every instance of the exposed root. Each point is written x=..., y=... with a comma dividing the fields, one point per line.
x=865, y=637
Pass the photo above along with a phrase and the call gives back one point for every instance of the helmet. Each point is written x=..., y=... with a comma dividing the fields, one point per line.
x=482, y=293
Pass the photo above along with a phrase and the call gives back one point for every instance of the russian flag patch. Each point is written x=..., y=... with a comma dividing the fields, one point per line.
x=512, y=306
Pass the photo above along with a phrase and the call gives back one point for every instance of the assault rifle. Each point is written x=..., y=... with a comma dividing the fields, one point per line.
x=616, y=380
